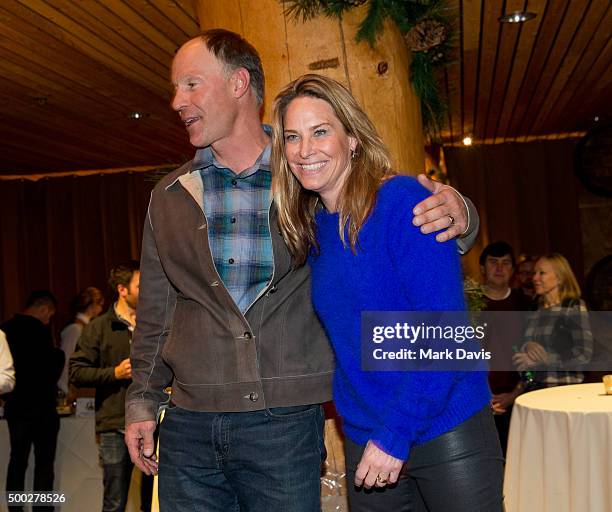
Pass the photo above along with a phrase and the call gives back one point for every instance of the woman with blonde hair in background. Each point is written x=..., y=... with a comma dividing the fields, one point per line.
x=558, y=338
x=414, y=440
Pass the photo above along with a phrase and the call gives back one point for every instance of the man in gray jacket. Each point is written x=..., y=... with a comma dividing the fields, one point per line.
x=224, y=317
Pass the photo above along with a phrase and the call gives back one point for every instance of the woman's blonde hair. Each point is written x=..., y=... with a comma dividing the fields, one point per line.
x=568, y=285
x=369, y=165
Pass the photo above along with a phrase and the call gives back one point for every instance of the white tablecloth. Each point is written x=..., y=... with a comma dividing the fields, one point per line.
x=77, y=472
x=559, y=455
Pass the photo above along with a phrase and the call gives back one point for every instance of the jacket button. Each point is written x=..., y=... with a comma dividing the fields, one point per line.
x=253, y=397
x=247, y=335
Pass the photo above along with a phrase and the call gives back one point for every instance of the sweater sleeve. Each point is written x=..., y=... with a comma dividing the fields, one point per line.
x=430, y=274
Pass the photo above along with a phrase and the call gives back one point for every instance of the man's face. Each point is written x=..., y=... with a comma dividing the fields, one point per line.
x=525, y=274
x=497, y=271
x=203, y=94
x=47, y=312
x=130, y=294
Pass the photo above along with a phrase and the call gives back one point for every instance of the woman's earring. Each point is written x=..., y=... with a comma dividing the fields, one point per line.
x=353, y=154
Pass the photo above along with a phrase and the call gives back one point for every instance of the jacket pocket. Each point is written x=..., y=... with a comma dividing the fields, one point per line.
x=191, y=350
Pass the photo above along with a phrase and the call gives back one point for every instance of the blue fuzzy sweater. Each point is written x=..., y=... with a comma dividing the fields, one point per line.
x=396, y=268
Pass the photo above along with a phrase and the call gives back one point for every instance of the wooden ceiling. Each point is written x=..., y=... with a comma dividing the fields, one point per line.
x=549, y=76
x=72, y=72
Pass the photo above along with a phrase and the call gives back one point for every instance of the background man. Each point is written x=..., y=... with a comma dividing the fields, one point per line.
x=101, y=360
x=525, y=271
x=30, y=408
x=497, y=268
x=247, y=358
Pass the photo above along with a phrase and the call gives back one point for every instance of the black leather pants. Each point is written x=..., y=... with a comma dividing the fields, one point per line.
x=459, y=471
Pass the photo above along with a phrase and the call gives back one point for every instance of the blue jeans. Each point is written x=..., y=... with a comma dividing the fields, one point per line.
x=260, y=461
x=115, y=460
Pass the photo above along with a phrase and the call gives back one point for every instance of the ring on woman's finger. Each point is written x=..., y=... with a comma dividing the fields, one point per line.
x=451, y=218
x=381, y=480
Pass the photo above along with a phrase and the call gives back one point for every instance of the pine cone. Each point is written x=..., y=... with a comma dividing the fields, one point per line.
x=425, y=35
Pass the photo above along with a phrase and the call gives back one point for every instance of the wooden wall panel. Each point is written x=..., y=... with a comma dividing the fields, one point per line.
x=388, y=97
x=327, y=46
x=258, y=25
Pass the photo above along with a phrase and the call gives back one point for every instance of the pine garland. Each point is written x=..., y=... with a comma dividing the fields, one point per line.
x=427, y=28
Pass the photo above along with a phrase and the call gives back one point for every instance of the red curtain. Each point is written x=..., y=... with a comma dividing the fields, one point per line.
x=526, y=194
x=64, y=234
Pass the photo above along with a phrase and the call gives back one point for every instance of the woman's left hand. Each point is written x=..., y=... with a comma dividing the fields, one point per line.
x=532, y=355
x=536, y=352
x=377, y=468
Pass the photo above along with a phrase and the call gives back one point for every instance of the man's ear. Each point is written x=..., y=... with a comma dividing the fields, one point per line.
x=122, y=291
x=482, y=271
x=241, y=82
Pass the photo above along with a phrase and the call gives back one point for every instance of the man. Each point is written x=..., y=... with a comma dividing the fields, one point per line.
x=224, y=317
x=525, y=271
x=88, y=304
x=30, y=407
x=497, y=268
x=101, y=360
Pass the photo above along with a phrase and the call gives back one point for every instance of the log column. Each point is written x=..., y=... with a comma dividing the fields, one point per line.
x=377, y=77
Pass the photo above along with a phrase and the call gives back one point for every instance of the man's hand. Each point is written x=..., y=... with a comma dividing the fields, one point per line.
x=377, y=468
x=139, y=440
x=502, y=401
x=123, y=370
x=435, y=212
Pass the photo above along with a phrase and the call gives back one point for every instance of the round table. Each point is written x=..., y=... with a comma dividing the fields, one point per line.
x=559, y=456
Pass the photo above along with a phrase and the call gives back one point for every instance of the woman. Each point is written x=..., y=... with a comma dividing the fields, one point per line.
x=342, y=210
x=558, y=336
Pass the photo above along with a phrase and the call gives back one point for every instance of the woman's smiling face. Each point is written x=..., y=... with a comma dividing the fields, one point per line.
x=317, y=147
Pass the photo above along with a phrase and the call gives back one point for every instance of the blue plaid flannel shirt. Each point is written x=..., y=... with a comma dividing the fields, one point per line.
x=236, y=207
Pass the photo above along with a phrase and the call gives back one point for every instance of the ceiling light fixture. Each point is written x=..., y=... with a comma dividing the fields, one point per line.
x=467, y=141
x=517, y=17
x=138, y=115
x=596, y=119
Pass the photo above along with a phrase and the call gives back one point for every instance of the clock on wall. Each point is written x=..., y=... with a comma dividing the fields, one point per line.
x=593, y=162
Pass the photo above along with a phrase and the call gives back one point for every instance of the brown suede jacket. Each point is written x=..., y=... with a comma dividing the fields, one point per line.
x=191, y=335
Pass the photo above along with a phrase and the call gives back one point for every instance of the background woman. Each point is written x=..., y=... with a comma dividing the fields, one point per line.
x=558, y=336
x=342, y=210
